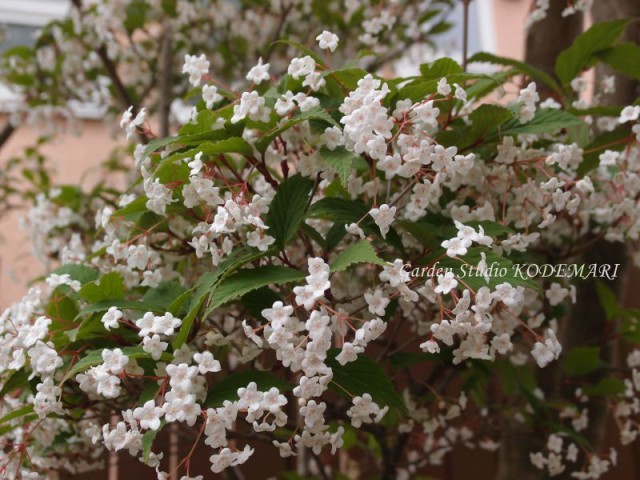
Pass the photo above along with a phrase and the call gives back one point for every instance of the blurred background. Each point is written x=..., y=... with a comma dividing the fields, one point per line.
x=495, y=26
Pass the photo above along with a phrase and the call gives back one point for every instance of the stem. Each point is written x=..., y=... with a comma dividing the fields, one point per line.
x=465, y=33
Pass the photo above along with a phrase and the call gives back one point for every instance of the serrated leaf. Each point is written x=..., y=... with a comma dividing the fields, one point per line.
x=20, y=412
x=340, y=161
x=580, y=54
x=230, y=145
x=244, y=281
x=227, y=389
x=487, y=118
x=316, y=113
x=17, y=379
x=581, y=361
x=361, y=252
x=164, y=294
x=81, y=273
x=440, y=68
x=121, y=304
x=205, y=286
x=287, y=208
x=532, y=72
x=363, y=376
x=109, y=286
x=546, y=120
x=624, y=58
x=94, y=357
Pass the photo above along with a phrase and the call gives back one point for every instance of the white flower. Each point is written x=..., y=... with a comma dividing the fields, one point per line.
x=327, y=40
x=443, y=88
x=301, y=67
x=363, y=409
x=259, y=73
x=196, y=164
x=154, y=346
x=206, y=362
x=545, y=353
x=195, y=67
x=383, y=217
x=376, y=302
x=111, y=317
x=114, y=360
x=252, y=105
x=629, y=114
x=260, y=240
x=456, y=246
x=148, y=415
x=210, y=95
x=446, y=283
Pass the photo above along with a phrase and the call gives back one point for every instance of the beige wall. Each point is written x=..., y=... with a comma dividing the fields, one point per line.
x=74, y=159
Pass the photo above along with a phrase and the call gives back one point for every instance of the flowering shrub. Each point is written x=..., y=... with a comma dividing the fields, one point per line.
x=266, y=267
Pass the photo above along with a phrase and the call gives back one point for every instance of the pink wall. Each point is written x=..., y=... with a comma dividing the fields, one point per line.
x=74, y=159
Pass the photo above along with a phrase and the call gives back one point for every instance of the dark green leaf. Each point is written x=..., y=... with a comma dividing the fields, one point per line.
x=581, y=361
x=287, y=208
x=580, y=55
x=361, y=252
x=363, y=376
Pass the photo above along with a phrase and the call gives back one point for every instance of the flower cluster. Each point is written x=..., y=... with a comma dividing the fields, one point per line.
x=256, y=270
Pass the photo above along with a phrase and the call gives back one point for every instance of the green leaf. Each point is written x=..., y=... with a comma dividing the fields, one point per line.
x=525, y=68
x=132, y=210
x=206, y=285
x=17, y=379
x=258, y=300
x=20, y=412
x=546, y=120
x=287, y=208
x=624, y=58
x=147, y=442
x=244, y=281
x=440, y=68
x=581, y=54
x=135, y=15
x=81, y=273
x=121, y=304
x=94, y=357
x=361, y=252
x=340, y=161
x=614, y=140
x=363, y=376
x=108, y=287
x=581, y=361
x=230, y=145
x=227, y=389
x=316, y=113
x=605, y=387
x=487, y=118
x=608, y=300
x=164, y=294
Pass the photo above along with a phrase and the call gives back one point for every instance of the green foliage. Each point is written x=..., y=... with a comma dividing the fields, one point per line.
x=361, y=252
x=581, y=361
x=582, y=54
x=364, y=376
x=287, y=209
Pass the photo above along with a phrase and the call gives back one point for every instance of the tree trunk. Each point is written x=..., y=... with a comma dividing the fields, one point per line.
x=550, y=36
x=545, y=40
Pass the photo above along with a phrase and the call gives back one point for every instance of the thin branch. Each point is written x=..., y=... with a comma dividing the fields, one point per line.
x=465, y=33
x=166, y=71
